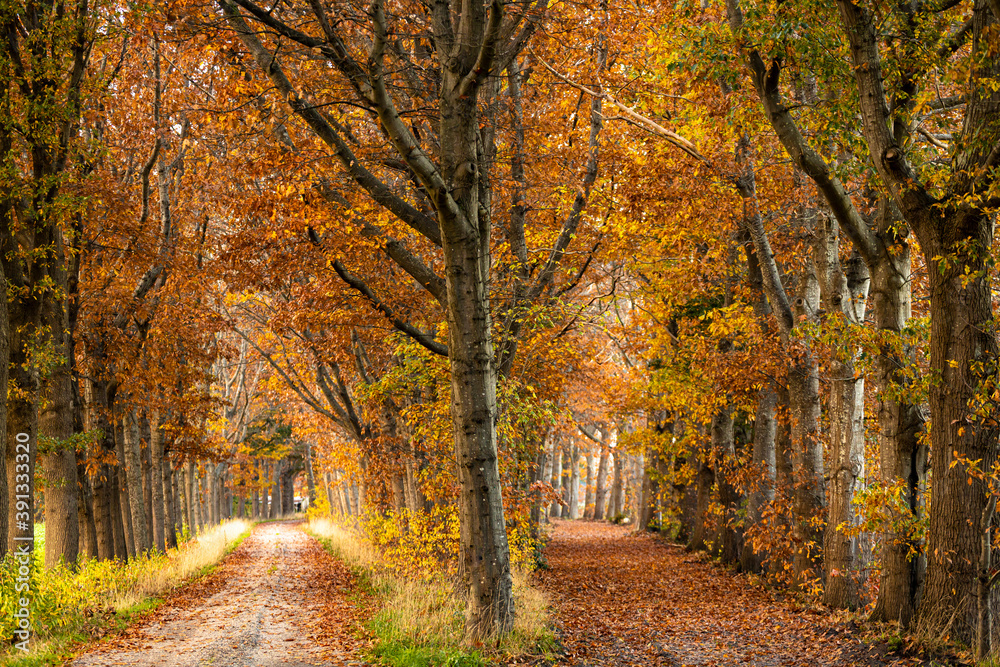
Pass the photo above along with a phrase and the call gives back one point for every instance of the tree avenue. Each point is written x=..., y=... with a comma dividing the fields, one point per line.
x=450, y=273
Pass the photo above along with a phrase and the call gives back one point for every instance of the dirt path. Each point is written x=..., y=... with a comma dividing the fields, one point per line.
x=623, y=599
x=279, y=599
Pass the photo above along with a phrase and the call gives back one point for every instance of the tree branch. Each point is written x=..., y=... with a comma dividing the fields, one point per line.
x=416, y=334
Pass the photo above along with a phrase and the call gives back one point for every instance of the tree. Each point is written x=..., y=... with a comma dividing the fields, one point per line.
x=952, y=215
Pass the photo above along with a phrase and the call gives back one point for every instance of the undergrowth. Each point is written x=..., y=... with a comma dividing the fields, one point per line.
x=102, y=597
x=421, y=619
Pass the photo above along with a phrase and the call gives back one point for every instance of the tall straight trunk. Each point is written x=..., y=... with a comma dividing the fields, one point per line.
x=171, y=503
x=119, y=537
x=275, y=510
x=211, y=480
x=255, y=505
x=22, y=419
x=547, y=475
x=844, y=290
x=557, y=478
x=147, y=477
x=142, y=539
x=704, y=479
x=809, y=495
x=537, y=472
x=103, y=515
x=574, y=482
x=617, y=492
x=964, y=350
x=601, y=485
x=128, y=532
x=345, y=490
x=190, y=489
x=902, y=457
x=724, y=445
x=85, y=516
x=763, y=472
x=589, y=483
x=288, y=490
x=204, y=496
x=414, y=497
x=62, y=521
x=397, y=483
x=157, y=478
x=955, y=227
x=311, y=476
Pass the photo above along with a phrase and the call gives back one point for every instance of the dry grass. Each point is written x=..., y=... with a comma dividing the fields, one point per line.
x=427, y=611
x=71, y=605
x=190, y=559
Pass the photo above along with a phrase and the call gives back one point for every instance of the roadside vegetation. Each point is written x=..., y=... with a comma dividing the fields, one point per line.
x=419, y=620
x=97, y=598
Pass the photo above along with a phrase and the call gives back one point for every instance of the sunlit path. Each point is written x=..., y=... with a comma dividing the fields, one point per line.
x=277, y=600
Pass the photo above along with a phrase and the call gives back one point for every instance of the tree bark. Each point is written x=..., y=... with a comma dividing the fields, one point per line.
x=157, y=477
x=85, y=516
x=601, y=490
x=724, y=445
x=557, y=478
x=142, y=540
x=274, y=510
x=588, y=497
x=844, y=295
x=956, y=235
x=617, y=491
x=763, y=472
x=62, y=521
x=573, y=498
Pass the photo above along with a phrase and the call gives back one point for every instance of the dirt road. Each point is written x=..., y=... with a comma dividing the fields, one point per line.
x=278, y=600
x=624, y=600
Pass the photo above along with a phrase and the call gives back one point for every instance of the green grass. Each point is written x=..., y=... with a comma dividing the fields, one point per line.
x=422, y=623
x=393, y=645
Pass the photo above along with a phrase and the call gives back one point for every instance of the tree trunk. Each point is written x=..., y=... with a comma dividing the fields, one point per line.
x=103, y=515
x=124, y=495
x=147, y=474
x=704, y=479
x=274, y=510
x=964, y=350
x=157, y=478
x=85, y=517
x=844, y=292
x=62, y=521
x=171, y=502
x=724, y=446
x=398, y=485
x=311, y=476
x=601, y=490
x=557, y=478
x=22, y=420
x=142, y=540
x=537, y=474
x=589, y=483
x=763, y=466
x=900, y=422
x=192, y=498
x=617, y=490
x=574, y=482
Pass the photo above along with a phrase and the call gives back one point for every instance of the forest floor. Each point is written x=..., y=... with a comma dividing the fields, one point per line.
x=277, y=600
x=622, y=599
